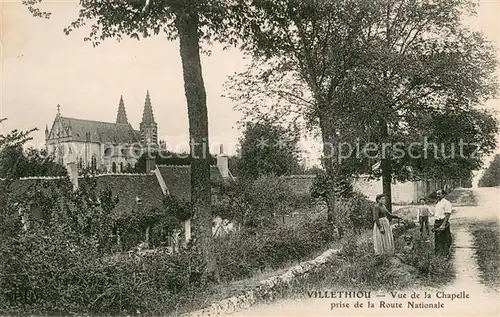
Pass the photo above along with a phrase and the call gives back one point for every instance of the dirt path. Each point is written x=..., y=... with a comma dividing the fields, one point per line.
x=468, y=279
x=482, y=301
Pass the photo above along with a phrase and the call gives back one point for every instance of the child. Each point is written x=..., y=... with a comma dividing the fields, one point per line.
x=424, y=211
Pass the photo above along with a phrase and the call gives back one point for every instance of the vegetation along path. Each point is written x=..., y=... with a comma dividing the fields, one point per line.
x=483, y=300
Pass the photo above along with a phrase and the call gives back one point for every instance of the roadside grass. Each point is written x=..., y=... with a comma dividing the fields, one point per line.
x=358, y=269
x=217, y=292
x=487, y=242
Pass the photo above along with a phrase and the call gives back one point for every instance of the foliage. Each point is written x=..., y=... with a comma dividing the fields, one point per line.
x=267, y=149
x=254, y=204
x=451, y=144
x=343, y=187
x=191, y=22
x=361, y=72
x=179, y=208
x=244, y=253
x=422, y=256
x=47, y=274
x=491, y=176
x=17, y=162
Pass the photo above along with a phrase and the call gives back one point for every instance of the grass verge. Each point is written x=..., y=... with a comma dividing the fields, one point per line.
x=487, y=241
x=357, y=268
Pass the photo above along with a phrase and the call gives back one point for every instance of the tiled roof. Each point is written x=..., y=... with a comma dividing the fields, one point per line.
x=101, y=132
x=178, y=179
x=127, y=187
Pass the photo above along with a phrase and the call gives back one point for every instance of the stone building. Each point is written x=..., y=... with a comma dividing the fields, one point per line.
x=102, y=146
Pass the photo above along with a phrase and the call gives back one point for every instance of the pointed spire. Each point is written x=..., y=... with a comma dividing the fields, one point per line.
x=121, y=117
x=148, y=126
x=147, y=114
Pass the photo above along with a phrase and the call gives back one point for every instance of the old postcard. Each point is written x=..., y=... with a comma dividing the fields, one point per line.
x=250, y=158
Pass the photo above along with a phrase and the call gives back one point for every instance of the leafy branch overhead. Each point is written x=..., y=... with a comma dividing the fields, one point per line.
x=144, y=18
x=341, y=68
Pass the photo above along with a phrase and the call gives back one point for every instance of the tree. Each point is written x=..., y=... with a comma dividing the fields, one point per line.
x=254, y=203
x=303, y=53
x=491, y=176
x=189, y=21
x=451, y=143
x=17, y=162
x=267, y=149
x=368, y=68
x=423, y=61
x=9, y=224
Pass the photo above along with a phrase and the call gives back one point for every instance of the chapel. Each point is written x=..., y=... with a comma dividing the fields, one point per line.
x=110, y=147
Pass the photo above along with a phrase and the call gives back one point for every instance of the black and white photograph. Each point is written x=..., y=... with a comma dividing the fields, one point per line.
x=192, y=158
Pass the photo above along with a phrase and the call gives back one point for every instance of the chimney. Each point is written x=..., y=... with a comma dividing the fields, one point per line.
x=223, y=163
x=73, y=174
x=150, y=163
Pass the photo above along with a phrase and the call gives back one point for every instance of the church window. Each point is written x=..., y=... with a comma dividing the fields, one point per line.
x=107, y=152
x=93, y=163
x=121, y=167
x=80, y=163
x=113, y=167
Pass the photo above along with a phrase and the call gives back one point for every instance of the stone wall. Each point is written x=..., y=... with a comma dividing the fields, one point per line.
x=402, y=192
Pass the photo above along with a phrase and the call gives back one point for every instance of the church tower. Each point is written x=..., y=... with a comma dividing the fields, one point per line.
x=148, y=126
x=121, y=117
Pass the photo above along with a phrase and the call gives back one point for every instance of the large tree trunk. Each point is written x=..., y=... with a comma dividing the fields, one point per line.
x=385, y=164
x=327, y=135
x=187, y=26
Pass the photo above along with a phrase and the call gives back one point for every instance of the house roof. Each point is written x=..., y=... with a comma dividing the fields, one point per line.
x=127, y=187
x=178, y=179
x=99, y=132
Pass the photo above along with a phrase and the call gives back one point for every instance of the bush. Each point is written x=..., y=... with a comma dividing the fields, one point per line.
x=423, y=259
x=354, y=213
x=47, y=273
x=243, y=253
x=254, y=203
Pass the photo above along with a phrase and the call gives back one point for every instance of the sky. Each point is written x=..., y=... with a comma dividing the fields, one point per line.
x=42, y=67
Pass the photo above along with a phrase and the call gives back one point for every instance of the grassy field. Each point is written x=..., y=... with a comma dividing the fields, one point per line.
x=487, y=241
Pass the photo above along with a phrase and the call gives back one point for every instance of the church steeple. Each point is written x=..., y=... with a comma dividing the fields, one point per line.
x=148, y=126
x=147, y=114
x=121, y=117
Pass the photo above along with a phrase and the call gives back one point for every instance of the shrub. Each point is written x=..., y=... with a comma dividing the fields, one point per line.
x=243, y=253
x=254, y=203
x=423, y=258
x=354, y=213
x=49, y=273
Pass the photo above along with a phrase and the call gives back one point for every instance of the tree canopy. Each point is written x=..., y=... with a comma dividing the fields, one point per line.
x=360, y=72
x=267, y=149
x=491, y=176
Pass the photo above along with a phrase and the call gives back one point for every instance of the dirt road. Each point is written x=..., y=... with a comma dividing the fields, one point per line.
x=481, y=301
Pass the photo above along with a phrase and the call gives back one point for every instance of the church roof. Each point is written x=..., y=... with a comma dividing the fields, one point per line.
x=178, y=179
x=99, y=132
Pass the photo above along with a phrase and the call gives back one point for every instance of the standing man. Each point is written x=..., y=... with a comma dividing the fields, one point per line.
x=423, y=214
x=442, y=233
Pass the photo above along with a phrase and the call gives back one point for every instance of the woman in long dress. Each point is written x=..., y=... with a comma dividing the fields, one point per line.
x=383, y=240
